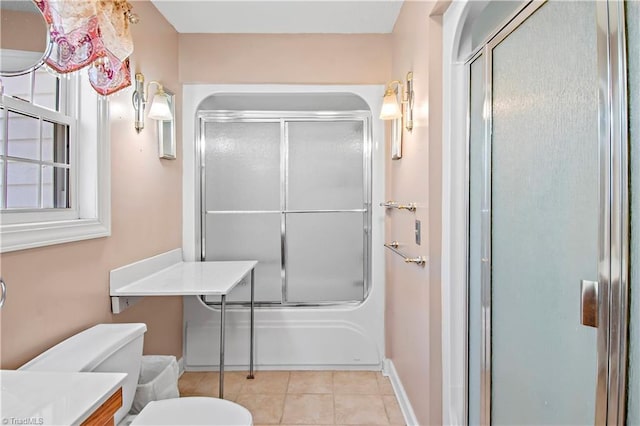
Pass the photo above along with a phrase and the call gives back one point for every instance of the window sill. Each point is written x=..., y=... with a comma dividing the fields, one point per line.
x=31, y=235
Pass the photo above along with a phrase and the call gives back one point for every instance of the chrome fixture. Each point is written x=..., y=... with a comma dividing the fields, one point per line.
x=396, y=205
x=390, y=106
x=393, y=246
x=589, y=303
x=160, y=108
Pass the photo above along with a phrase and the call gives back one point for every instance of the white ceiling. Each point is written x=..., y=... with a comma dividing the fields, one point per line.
x=278, y=16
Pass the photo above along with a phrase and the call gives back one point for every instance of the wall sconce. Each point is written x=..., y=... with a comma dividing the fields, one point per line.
x=391, y=108
x=159, y=110
x=391, y=111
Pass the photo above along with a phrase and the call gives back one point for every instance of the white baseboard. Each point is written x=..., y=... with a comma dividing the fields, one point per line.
x=388, y=369
x=288, y=367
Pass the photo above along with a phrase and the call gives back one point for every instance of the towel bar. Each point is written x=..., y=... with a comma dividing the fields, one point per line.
x=393, y=246
x=396, y=205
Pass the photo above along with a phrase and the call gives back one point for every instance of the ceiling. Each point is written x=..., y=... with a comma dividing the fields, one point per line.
x=277, y=16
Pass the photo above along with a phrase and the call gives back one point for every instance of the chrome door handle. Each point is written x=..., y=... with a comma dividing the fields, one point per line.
x=589, y=303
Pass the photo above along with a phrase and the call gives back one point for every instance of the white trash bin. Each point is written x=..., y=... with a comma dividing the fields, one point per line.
x=158, y=380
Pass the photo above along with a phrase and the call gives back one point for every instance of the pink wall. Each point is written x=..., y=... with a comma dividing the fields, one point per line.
x=56, y=291
x=285, y=58
x=68, y=291
x=413, y=317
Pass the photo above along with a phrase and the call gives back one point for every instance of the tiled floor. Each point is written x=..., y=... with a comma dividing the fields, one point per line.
x=304, y=397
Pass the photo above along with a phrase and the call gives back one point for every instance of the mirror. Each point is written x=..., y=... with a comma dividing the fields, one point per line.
x=24, y=37
x=167, y=132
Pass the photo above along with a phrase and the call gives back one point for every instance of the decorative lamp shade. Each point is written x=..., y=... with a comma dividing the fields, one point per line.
x=160, y=109
x=390, y=106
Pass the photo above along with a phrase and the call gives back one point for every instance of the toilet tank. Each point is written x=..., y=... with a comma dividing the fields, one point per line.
x=110, y=348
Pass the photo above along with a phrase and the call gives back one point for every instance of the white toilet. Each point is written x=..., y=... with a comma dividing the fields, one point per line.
x=117, y=348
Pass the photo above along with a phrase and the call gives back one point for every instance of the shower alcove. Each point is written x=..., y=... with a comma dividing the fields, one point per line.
x=287, y=176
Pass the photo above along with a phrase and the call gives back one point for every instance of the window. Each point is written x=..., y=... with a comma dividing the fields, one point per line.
x=53, y=161
x=36, y=124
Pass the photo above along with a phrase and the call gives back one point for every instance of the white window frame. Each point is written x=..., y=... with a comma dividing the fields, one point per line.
x=90, y=213
x=39, y=214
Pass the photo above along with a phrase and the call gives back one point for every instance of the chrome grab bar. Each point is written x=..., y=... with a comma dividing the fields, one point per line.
x=3, y=292
x=393, y=246
x=396, y=205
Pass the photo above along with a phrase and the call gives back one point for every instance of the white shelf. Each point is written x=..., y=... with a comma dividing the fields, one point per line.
x=167, y=275
x=190, y=279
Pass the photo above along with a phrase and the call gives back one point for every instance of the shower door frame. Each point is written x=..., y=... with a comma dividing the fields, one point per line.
x=283, y=117
x=613, y=259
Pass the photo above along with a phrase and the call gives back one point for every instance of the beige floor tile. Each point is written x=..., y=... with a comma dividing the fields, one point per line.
x=265, y=408
x=384, y=385
x=233, y=381
x=207, y=384
x=188, y=382
x=267, y=382
x=306, y=409
x=393, y=409
x=355, y=382
x=311, y=382
x=206, y=387
x=360, y=397
x=360, y=410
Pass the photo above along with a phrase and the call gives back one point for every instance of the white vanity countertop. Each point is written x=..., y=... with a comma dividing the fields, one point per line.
x=47, y=398
x=190, y=279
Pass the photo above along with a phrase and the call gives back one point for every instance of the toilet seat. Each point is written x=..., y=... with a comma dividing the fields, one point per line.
x=193, y=411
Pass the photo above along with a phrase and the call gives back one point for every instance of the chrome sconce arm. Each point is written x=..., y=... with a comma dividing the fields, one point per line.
x=408, y=103
x=160, y=109
x=139, y=102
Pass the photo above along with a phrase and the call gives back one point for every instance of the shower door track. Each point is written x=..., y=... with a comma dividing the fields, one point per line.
x=284, y=117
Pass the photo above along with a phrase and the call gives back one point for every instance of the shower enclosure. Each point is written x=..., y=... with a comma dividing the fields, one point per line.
x=287, y=176
x=547, y=209
x=291, y=190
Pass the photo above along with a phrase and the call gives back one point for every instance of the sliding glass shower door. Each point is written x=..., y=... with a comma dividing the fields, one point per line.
x=325, y=211
x=241, y=200
x=293, y=193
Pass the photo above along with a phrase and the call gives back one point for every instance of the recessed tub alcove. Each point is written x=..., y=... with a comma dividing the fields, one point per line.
x=291, y=176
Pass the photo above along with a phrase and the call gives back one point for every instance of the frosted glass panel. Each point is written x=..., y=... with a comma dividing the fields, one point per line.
x=326, y=165
x=476, y=140
x=633, y=46
x=494, y=14
x=242, y=166
x=325, y=257
x=544, y=217
x=248, y=236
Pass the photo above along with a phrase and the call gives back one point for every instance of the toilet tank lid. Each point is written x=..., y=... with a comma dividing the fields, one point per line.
x=87, y=349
